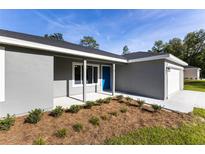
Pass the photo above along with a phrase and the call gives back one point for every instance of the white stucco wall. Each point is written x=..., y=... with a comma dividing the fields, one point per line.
x=2, y=74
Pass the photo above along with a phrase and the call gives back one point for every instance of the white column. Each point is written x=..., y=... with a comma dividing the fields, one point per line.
x=113, y=79
x=84, y=79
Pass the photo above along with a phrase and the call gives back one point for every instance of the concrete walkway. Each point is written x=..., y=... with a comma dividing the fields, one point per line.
x=183, y=101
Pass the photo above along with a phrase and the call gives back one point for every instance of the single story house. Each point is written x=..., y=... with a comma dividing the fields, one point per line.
x=34, y=70
x=191, y=72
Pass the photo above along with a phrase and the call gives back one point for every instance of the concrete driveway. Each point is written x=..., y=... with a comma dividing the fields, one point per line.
x=185, y=100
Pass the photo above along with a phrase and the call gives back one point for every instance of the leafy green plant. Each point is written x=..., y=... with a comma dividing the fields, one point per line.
x=199, y=112
x=61, y=133
x=141, y=103
x=107, y=100
x=7, y=122
x=99, y=101
x=113, y=113
x=94, y=120
x=129, y=99
x=34, y=116
x=77, y=127
x=39, y=141
x=57, y=112
x=119, y=97
x=156, y=107
x=89, y=104
x=123, y=109
x=74, y=108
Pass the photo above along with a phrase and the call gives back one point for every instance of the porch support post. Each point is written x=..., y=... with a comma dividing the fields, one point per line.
x=84, y=79
x=113, y=79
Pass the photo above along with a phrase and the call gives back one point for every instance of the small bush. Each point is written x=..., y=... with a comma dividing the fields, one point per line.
x=61, y=133
x=119, y=97
x=113, y=114
x=77, y=127
x=57, y=112
x=199, y=112
x=89, y=104
x=39, y=141
x=74, y=108
x=107, y=100
x=104, y=117
x=156, y=107
x=34, y=116
x=123, y=110
x=99, y=101
x=129, y=99
x=140, y=102
x=95, y=121
x=7, y=122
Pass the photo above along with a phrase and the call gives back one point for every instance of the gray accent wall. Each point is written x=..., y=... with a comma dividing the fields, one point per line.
x=141, y=78
x=29, y=82
x=63, y=85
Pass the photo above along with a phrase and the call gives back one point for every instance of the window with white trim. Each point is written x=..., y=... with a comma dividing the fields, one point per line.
x=91, y=77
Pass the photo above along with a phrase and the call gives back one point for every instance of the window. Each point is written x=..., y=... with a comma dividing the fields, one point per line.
x=91, y=77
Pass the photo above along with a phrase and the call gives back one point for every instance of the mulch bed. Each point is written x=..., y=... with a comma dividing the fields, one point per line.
x=134, y=118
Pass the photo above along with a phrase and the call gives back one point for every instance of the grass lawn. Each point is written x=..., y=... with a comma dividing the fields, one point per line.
x=188, y=134
x=198, y=85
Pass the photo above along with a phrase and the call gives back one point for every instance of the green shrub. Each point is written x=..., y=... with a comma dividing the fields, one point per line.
x=119, y=97
x=7, y=122
x=89, y=104
x=61, y=133
x=140, y=102
x=129, y=99
x=34, y=116
x=199, y=112
x=156, y=107
x=77, y=127
x=113, y=113
x=95, y=121
x=99, y=101
x=74, y=108
x=104, y=117
x=107, y=100
x=123, y=109
x=57, y=112
x=39, y=141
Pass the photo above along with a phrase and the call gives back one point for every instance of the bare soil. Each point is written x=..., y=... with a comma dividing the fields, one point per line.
x=134, y=118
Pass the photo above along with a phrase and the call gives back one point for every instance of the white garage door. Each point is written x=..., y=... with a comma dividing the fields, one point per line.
x=173, y=81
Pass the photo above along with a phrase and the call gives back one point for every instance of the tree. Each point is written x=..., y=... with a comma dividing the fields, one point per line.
x=125, y=50
x=89, y=42
x=175, y=46
x=158, y=46
x=54, y=36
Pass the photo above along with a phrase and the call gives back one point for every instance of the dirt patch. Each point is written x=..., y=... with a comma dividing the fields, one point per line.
x=112, y=125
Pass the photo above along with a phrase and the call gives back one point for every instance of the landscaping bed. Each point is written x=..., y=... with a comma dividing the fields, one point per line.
x=94, y=124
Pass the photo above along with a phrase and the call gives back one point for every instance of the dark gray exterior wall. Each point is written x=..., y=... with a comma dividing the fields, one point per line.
x=141, y=78
x=29, y=82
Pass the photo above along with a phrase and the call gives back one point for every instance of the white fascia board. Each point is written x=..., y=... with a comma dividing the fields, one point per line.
x=176, y=60
x=34, y=45
x=2, y=74
x=148, y=58
x=169, y=57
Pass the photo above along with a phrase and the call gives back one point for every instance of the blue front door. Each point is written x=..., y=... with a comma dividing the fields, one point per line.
x=105, y=77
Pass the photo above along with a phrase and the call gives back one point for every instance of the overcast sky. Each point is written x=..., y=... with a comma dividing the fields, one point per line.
x=111, y=28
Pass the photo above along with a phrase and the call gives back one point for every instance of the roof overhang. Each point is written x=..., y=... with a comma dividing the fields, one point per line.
x=34, y=45
x=169, y=57
x=40, y=46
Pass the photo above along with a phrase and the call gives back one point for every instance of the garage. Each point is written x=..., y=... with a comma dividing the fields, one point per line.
x=174, y=79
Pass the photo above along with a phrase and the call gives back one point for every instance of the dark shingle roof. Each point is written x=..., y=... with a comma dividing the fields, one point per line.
x=63, y=44
x=141, y=54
